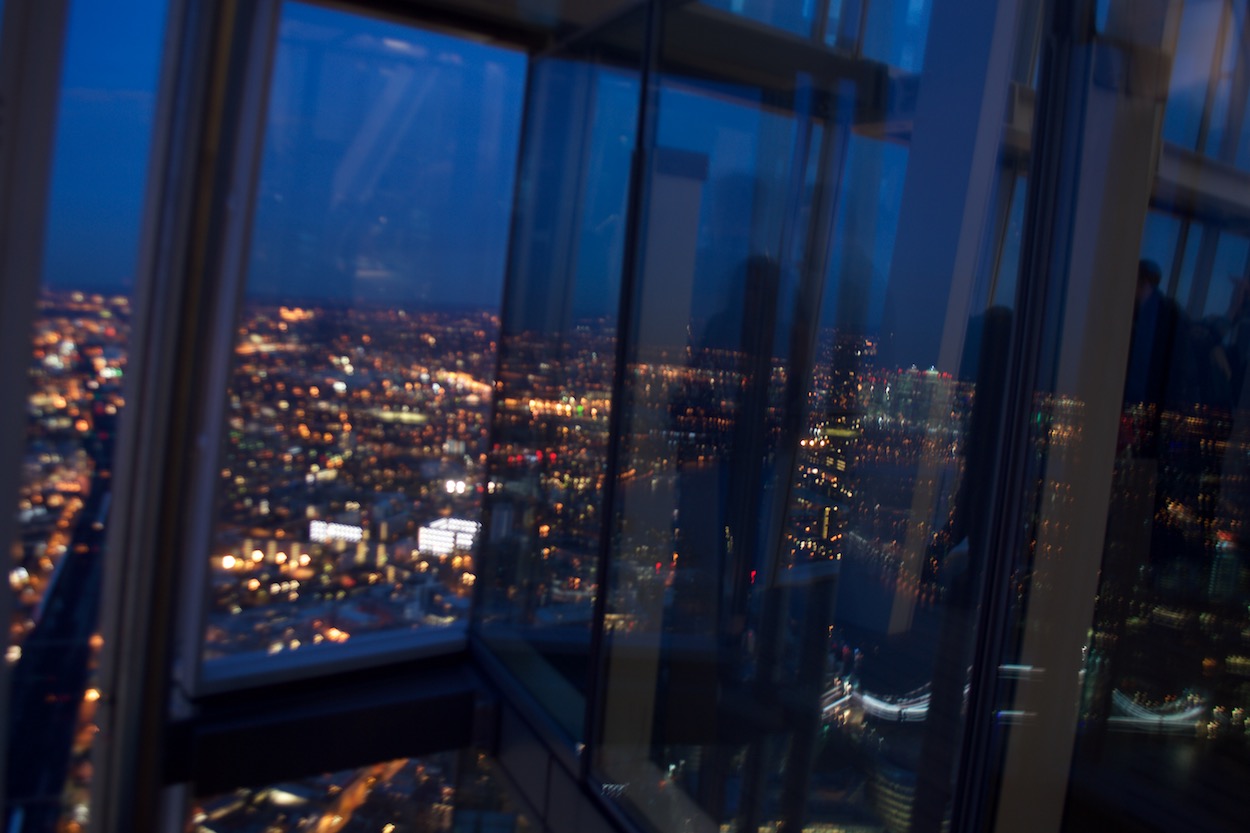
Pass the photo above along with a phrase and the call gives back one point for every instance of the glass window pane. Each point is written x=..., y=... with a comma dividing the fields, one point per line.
x=1124, y=666
x=897, y=31
x=789, y=616
x=554, y=398
x=80, y=338
x=352, y=478
x=1228, y=273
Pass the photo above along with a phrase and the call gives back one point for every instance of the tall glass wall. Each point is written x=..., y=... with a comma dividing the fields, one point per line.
x=548, y=473
x=1132, y=636
x=830, y=414
x=757, y=317
x=868, y=443
x=808, y=424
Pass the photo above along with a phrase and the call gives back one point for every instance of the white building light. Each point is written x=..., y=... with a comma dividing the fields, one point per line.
x=447, y=535
x=323, y=531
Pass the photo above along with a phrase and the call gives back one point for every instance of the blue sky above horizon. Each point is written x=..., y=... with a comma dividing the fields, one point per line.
x=366, y=119
x=388, y=163
x=390, y=157
x=103, y=134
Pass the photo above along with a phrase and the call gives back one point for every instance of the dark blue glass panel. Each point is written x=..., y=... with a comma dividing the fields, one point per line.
x=801, y=466
x=1191, y=72
x=897, y=32
x=791, y=15
x=554, y=395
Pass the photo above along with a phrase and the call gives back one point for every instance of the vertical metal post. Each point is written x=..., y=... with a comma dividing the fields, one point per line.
x=1094, y=146
x=184, y=287
x=644, y=144
x=31, y=43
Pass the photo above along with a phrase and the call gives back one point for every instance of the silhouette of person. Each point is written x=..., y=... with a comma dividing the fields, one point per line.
x=1158, y=350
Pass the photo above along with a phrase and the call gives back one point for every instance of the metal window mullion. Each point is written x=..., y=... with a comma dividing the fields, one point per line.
x=484, y=555
x=1239, y=88
x=1048, y=218
x=1083, y=236
x=1207, y=244
x=122, y=670
x=225, y=279
x=31, y=43
x=178, y=289
x=817, y=244
x=1009, y=179
x=631, y=271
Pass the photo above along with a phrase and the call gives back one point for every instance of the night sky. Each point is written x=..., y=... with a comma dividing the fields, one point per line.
x=388, y=166
x=387, y=171
x=102, y=140
x=390, y=156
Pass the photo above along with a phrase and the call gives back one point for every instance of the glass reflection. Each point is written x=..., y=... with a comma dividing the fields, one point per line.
x=1135, y=587
x=557, y=359
x=792, y=17
x=796, y=536
x=1164, y=694
x=353, y=473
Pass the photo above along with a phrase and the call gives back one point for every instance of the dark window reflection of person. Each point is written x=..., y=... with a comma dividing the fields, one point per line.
x=1158, y=350
x=1132, y=542
x=1159, y=534
x=1162, y=380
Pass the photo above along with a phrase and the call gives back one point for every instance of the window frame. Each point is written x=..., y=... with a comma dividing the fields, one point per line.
x=32, y=41
x=164, y=720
